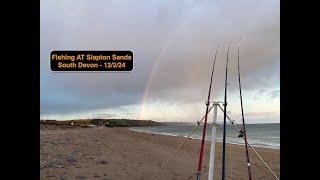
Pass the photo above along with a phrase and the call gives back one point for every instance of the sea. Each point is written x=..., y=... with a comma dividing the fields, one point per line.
x=258, y=135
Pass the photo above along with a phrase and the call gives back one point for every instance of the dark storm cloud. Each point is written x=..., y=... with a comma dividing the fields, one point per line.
x=177, y=38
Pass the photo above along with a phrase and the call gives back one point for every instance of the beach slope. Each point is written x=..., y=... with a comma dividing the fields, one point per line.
x=120, y=154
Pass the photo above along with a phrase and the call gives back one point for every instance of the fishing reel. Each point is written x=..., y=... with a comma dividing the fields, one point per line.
x=241, y=133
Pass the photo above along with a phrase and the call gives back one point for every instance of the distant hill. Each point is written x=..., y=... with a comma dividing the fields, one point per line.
x=104, y=122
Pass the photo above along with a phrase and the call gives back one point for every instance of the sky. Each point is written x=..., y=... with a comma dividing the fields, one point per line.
x=173, y=43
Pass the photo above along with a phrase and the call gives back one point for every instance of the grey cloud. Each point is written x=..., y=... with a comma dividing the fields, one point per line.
x=102, y=115
x=175, y=39
x=275, y=93
x=258, y=117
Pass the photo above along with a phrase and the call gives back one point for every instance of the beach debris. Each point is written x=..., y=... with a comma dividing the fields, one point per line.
x=102, y=162
x=81, y=177
x=96, y=175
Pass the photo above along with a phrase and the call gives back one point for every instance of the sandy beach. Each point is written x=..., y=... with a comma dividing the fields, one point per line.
x=120, y=154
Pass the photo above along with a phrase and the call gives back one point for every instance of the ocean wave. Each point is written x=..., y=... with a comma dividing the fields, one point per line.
x=254, y=143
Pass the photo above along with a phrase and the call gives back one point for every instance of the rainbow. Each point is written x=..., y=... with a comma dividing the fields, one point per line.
x=155, y=65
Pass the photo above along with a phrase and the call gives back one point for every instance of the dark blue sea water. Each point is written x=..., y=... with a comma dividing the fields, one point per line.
x=258, y=135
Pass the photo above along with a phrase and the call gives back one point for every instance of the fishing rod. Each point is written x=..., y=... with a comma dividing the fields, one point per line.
x=205, y=120
x=243, y=131
x=255, y=152
x=184, y=141
x=225, y=117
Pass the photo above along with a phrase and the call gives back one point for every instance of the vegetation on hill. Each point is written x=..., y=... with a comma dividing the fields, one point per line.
x=104, y=122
